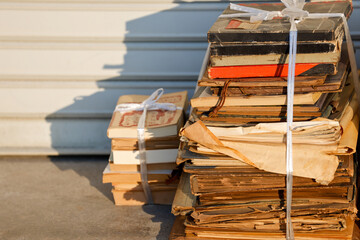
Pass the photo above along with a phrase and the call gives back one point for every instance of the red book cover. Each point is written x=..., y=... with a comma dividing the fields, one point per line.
x=271, y=70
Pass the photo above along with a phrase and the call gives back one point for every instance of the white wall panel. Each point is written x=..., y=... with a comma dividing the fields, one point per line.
x=55, y=133
x=65, y=62
x=66, y=99
x=108, y=22
x=168, y=60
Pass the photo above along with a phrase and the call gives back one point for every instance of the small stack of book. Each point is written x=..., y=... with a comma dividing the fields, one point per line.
x=161, y=142
x=234, y=145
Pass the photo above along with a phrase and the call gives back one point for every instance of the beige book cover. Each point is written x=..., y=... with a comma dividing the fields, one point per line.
x=136, y=167
x=207, y=100
x=326, y=57
x=138, y=187
x=134, y=177
x=159, y=123
x=151, y=144
x=152, y=156
x=123, y=197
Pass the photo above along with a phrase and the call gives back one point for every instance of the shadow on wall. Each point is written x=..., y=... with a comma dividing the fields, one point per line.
x=157, y=53
x=145, y=64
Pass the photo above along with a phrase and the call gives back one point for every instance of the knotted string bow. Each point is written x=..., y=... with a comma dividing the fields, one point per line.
x=149, y=104
x=294, y=12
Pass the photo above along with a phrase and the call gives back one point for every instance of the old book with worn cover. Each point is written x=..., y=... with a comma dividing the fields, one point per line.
x=273, y=58
x=151, y=144
x=132, y=177
x=277, y=30
x=137, y=197
x=132, y=194
x=136, y=167
x=152, y=156
x=159, y=123
x=206, y=99
x=233, y=49
x=271, y=70
x=239, y=54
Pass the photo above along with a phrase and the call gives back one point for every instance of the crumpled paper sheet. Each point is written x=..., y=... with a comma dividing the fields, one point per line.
x=311, y=161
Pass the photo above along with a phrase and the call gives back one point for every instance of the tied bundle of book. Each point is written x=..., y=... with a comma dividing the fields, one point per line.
x=234, y=144
x=161, y=142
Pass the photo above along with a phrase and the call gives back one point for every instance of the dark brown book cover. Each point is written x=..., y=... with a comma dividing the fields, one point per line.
x=273, y=48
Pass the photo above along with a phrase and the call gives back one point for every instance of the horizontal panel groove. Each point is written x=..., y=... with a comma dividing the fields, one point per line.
x=180, y=76
x=355, y=35
x=47, y=151
x=138, y=46
x=356, y=4
x=120, y=5
x=117, y=1
x=173, y=85
x=113, y=46
x=31, y=83
x=60, y=115
x=356, y=45
x=201, y=37
x=198, y=6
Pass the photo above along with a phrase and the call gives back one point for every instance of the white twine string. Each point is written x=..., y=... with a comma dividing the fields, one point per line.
x=294, y=11
x=149, y=104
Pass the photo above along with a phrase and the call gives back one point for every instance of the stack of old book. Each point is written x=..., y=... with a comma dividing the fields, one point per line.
x=234, y=145
x=161, y=142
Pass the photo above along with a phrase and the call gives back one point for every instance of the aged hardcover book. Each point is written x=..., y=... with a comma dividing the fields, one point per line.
x=136, y=168
x=134, y=177
x=271, y=70
x=152, y=156
x=300, y=81
x=131, y=194
x=150, y=143
x=258, y=49
x=137, y=197
x=274, y=58
x=159, y=123
x=207, y=100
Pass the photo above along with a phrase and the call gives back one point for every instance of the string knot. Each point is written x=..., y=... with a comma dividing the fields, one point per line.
x=150, y=104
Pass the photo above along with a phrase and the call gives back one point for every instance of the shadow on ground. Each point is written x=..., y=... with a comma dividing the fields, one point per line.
x=161, y=214
x=90, y=167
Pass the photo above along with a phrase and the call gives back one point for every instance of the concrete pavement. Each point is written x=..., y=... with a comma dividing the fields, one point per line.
x=64, y=198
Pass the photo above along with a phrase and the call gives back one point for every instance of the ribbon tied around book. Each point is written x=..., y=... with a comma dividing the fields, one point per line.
x=294, y=12
x=149, y=104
